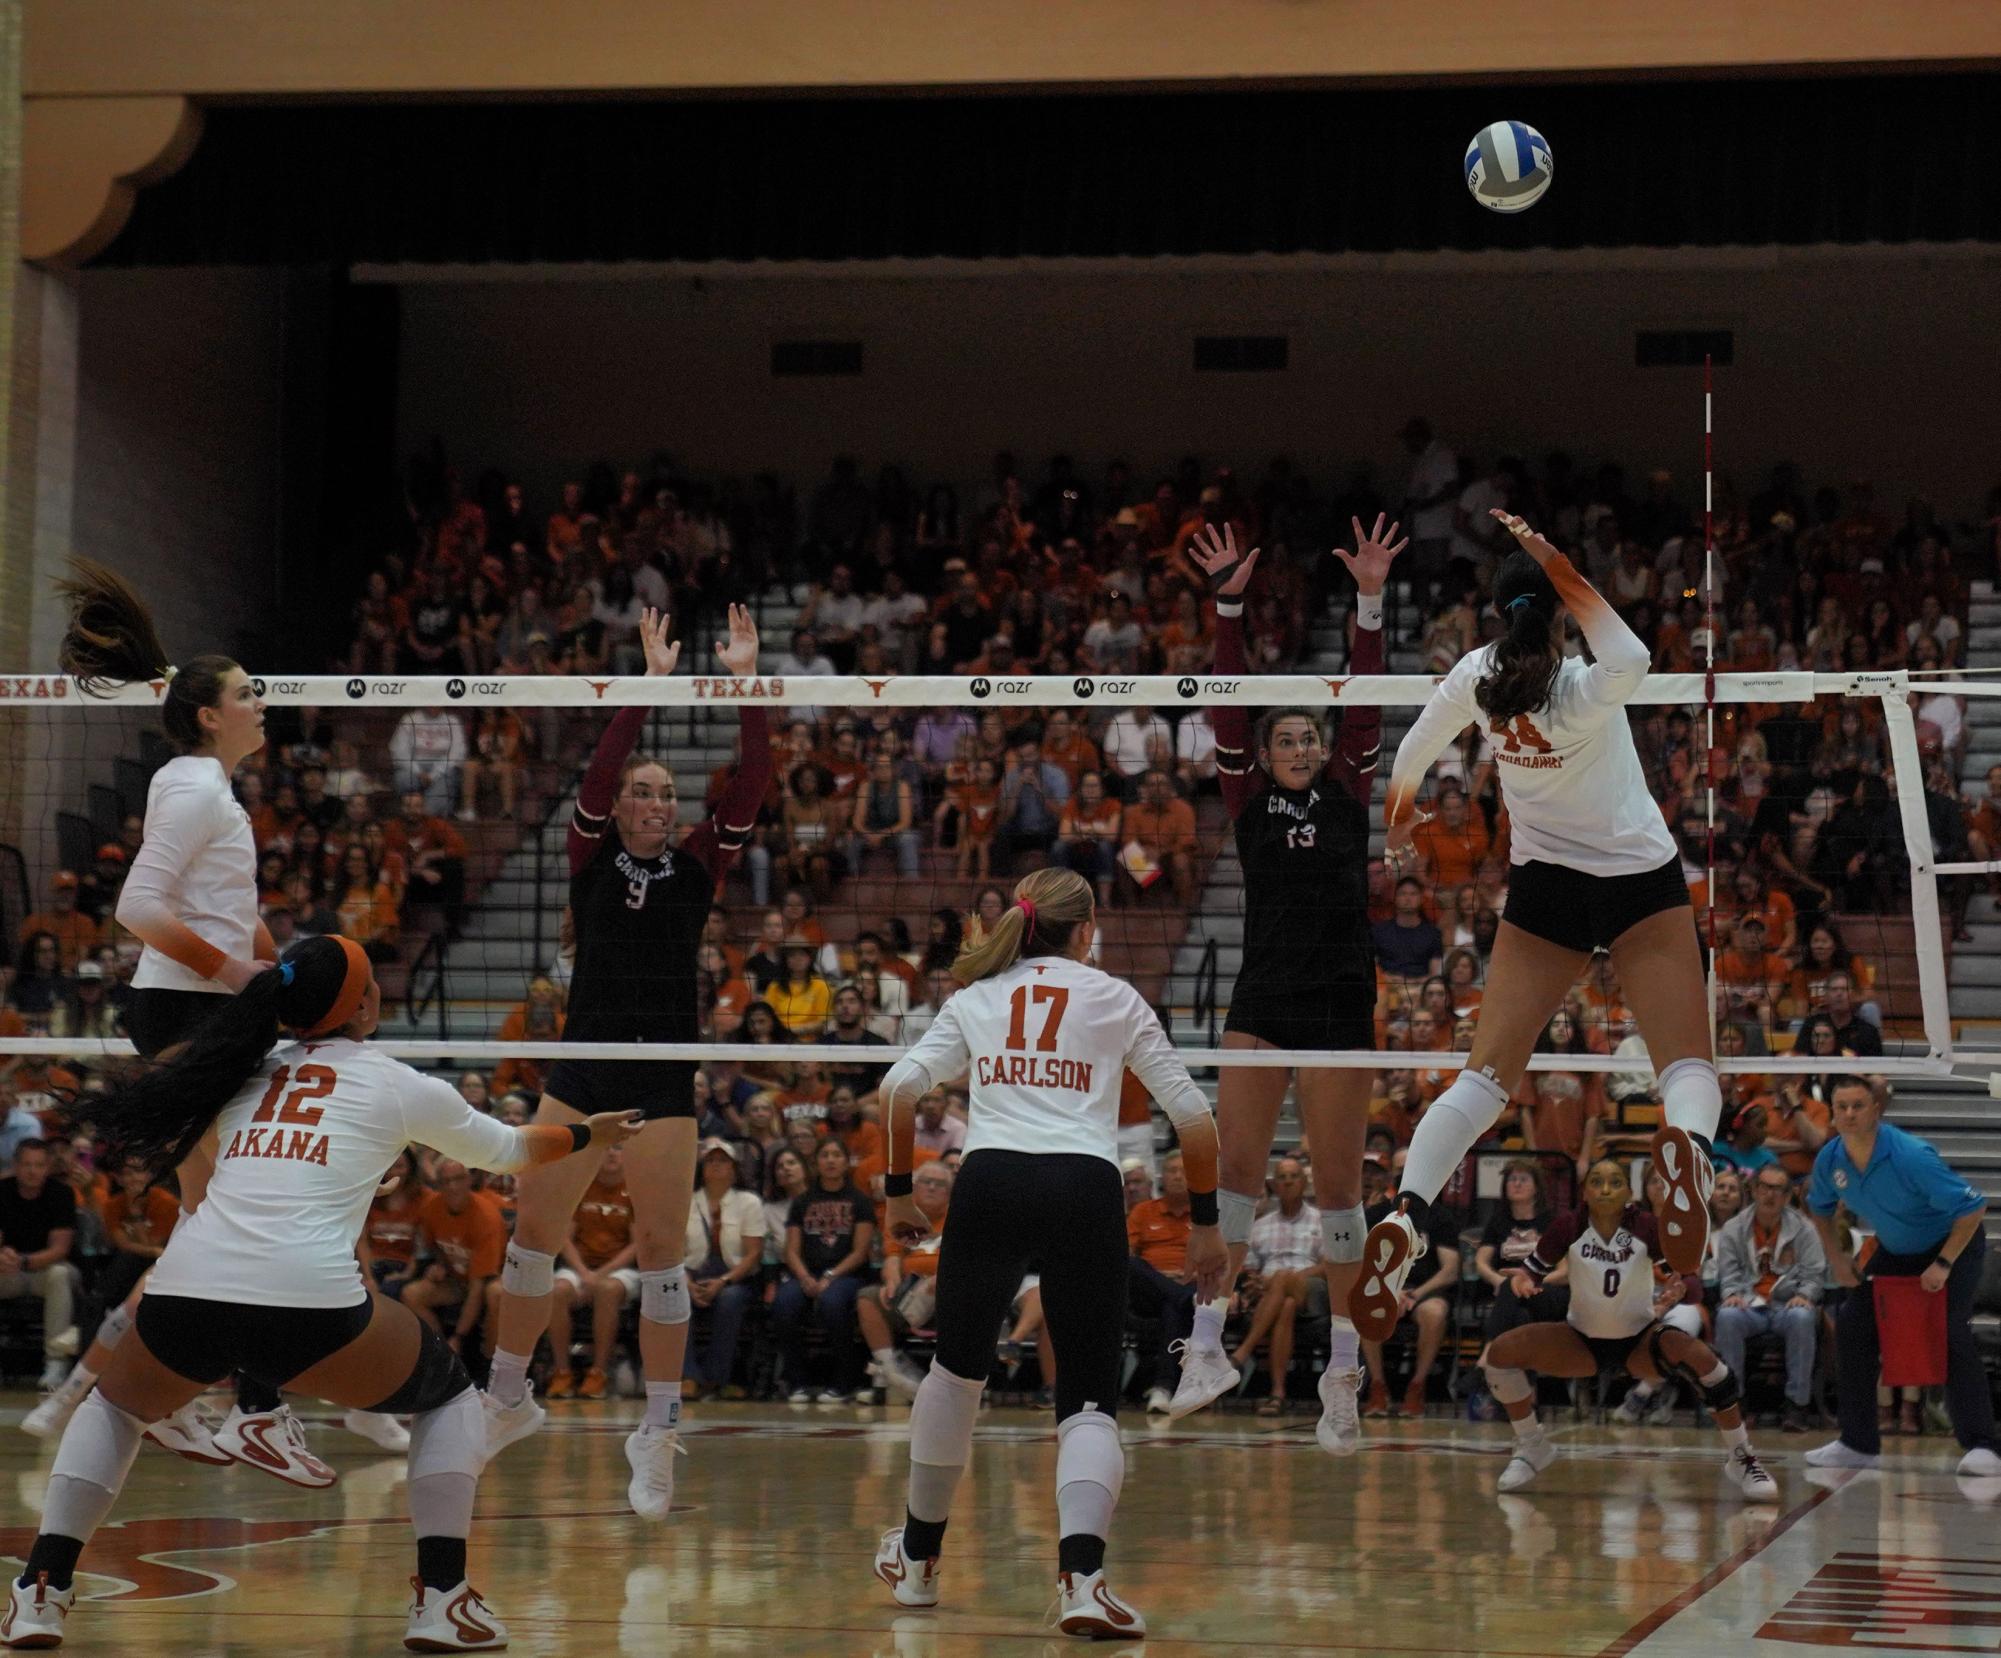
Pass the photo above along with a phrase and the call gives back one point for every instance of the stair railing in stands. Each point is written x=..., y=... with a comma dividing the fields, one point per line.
x=1206, y=976
x=418, y=1002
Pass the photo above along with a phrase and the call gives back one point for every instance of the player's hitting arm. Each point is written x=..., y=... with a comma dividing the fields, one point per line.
x=1622, y=658
x=435, y=1115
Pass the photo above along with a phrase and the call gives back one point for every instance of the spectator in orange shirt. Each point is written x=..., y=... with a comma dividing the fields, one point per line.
x=1454, y=842
x=365, y=905
x=391, y=1228
x=138, y=1219
x=729, y=995
x=1066, y=746
x=434, y=856
x=1087, y=836
x=977, y=805
x=74, y=932
x=1826, y=956
x=1749, y=977
x=539, y=1018
x=1157, y=1232
x=466, y=1238
x=1755, y=897
x=862, y=1137
x=598, y=1269
x=498, y=749
x=1163, y=827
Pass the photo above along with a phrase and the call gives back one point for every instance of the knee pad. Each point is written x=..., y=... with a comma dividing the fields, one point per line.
x=1234, y=1214
x=1691, y=1097
x=1724, y=1394
x=112, y=1331
x=663, y=1296
x=100, y=1443
x=527, y=1272
x=438, y=1377
x=1511, y=1387
x=942, y=1418
x=1342, y=1233
x=449, y=1438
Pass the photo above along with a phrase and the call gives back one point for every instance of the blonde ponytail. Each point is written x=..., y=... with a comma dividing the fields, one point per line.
x=1049, y=906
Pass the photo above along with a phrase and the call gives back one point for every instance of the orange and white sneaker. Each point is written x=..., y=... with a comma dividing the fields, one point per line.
x=562, y=1384
x=593, y=1385
x=187, y=1434
x=274, y=1443
x=1684, y=1215
x=1388, y=1253
x=36, y=1614
x=1093, y=1611
x=911, y=1582
x=452, y=1620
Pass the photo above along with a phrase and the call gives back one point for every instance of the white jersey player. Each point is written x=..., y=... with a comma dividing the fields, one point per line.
x=1593, y=868
x=1044, y=1041
x=263, y=1277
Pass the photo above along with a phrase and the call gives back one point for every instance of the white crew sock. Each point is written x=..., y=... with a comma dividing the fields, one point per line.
x=663, y=1404
x=1344, y=1347
x=1208, y=1331
x=507, y=1378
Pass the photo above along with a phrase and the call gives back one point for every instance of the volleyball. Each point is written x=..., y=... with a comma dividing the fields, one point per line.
x=1508, y=166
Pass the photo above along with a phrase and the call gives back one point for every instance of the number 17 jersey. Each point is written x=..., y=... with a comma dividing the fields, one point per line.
x=1044, y=1046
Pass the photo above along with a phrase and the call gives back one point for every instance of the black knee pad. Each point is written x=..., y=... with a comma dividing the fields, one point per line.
x=1724, y=1394
x=438, y=1377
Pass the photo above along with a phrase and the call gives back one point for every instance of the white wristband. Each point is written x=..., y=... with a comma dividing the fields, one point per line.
x=1369, y=611
x=1235, y=607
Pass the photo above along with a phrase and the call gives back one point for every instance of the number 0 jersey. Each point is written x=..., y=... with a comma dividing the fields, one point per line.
x=1611, y=1279
x=298, y=1155
x=1044, y=1047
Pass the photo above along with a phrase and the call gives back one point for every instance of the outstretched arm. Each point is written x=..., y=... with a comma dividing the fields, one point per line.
x=1353, y=762
x=600, y=786
x=717, y=842
x=1236, y=766
x=1621, y=656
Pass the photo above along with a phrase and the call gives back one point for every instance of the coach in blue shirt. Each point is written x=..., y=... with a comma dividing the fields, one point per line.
x=1928, y=1226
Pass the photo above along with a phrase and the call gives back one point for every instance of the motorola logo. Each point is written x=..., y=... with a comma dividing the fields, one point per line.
x=983, y=687
x=1081, y=685
x=356, y=689
x=455, y=688
x=1185, y=686
x=257, y=685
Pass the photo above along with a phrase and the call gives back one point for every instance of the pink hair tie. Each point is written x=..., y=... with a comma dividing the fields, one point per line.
x=1027, y=909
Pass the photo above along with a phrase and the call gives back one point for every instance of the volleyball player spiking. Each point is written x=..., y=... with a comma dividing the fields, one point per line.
x=1301, y=818
x=1045, y=1041
x=263, y=1277
x=191, y=900
x=639, y=907
x=1594, y=867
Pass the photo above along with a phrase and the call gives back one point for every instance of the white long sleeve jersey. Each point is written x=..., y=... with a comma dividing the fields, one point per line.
x=1570, y=775
x=1044, y=1046
x=196, y=865
x=298, y=1155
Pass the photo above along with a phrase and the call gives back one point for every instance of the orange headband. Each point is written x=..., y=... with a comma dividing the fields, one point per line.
x=352, y=988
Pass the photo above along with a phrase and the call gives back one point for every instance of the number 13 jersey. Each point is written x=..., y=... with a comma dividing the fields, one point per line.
x=1044, y=1046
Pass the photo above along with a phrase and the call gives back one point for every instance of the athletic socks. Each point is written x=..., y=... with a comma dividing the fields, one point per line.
x=507, y=1379
x=441, y=1562
x=55, y=1555
x=255, y=1398
x=1208, y=1331
x=922, y=1539
x=1080, y=1556
x=663, y=1404
x=1737, y=1438
x=884, y=1356
x=1449, y=1130
x=1344, y=1346
x=1526, y=1428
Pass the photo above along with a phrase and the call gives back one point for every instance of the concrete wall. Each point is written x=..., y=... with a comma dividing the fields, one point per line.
x=1856, y=364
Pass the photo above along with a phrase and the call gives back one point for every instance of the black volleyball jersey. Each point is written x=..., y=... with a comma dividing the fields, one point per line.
x=638, y=920
x=1305, y=852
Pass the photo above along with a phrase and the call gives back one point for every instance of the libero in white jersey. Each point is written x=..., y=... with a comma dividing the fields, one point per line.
x=1594, y=868
x=262, y=1277
x=1044, y=1041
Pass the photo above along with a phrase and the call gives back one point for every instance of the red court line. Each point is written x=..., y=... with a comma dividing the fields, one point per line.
x=1717, y=1574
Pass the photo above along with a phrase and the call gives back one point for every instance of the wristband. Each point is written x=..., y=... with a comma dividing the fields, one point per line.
x=1369, y=611
x=580, y=1136
x=1230, y=607
x=1202, y=1208
x=896, y=1185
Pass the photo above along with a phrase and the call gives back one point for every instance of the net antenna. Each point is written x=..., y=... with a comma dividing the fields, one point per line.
x=1713, y=758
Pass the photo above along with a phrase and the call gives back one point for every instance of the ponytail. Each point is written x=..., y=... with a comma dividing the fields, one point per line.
x=1049, y=907
x=161, y=1115
x=110, y=641
x=1525, y=660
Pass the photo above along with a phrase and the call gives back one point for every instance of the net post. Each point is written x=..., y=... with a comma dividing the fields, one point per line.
x=1901, y=727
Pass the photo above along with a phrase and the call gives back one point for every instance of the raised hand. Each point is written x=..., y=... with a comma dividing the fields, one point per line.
x=738, y=652
x=1369, y=563
x=661, y=655
x=1532, y=544
x=1215, y=551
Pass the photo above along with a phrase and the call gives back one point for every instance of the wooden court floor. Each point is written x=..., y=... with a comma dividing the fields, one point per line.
x=1235, y=1535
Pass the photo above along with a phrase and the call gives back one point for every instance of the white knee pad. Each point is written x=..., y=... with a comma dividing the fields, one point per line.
x=98, y=1446
x=1234, y=1214
x=1691, y=1097
x=1090, y=1471
x=663, y=1296
x=942, y=1418
x=112, y=1331
x=450, y=1439
x=527, y=1272
x=1511, y=1387
x=1342, y=1232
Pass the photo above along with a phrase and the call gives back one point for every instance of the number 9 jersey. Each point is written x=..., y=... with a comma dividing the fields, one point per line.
x=1044, y=1046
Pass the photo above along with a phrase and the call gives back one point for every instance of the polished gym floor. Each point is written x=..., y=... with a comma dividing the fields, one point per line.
x=1235, y=1535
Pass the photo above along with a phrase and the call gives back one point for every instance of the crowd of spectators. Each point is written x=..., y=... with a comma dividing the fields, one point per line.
x=363, y=828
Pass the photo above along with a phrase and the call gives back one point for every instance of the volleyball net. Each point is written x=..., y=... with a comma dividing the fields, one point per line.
x=427, y=817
